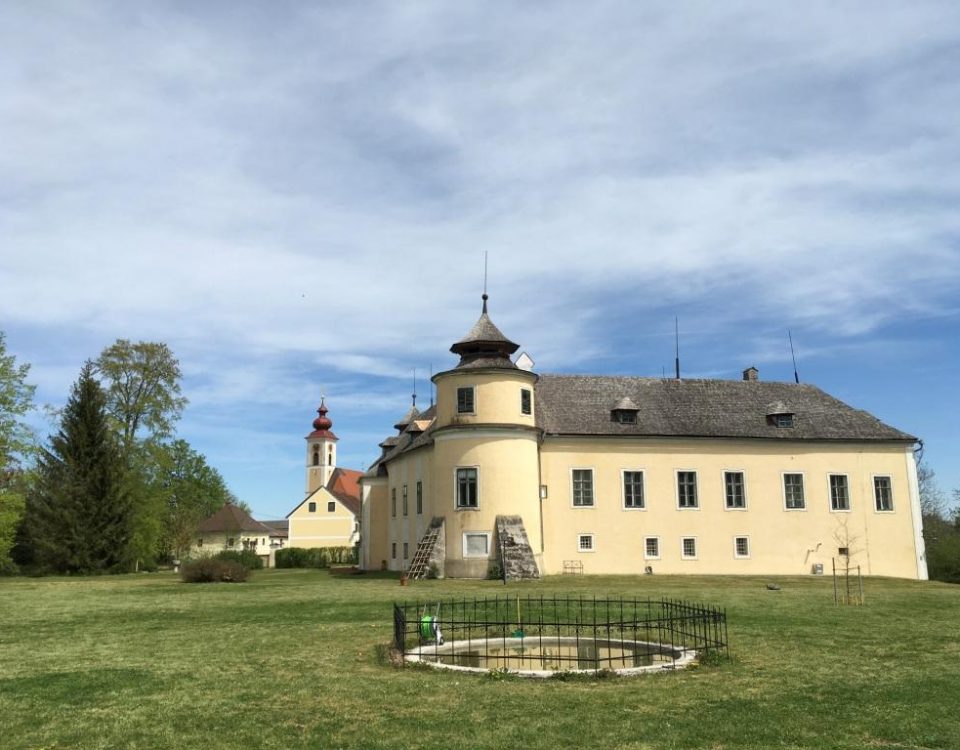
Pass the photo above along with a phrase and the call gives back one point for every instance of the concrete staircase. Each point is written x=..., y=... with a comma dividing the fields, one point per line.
x=516, y=556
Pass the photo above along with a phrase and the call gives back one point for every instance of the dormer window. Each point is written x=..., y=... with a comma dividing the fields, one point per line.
x=780, y=415
x=625, y=412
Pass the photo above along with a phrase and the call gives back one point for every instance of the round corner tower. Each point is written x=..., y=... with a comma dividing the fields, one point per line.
x=486, y=462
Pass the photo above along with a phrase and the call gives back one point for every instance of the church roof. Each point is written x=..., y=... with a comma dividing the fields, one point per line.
x=580, y=405
x=231, y=518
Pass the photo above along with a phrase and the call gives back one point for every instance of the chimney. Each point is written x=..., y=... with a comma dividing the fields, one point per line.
x=751, y=373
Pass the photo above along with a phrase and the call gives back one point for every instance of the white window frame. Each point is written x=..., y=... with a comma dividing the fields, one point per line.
x=466, y=553
x=623, y=489
x=646, y=555
x=683, y=551
x=593, y=487
x=696, y=488
x=723, y=476
x=830, y=493
x=456, y=489
x=783, y=490
x=873, y=483
x=593, y=542
x=456, y=404
x=736, y=552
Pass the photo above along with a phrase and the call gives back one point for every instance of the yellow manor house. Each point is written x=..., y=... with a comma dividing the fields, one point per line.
x=543, y=474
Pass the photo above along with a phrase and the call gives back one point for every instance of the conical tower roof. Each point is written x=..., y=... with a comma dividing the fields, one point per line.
x=485, y=345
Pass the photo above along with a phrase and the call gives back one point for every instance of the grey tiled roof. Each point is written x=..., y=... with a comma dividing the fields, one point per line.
x=582, y=405
x=484, y=330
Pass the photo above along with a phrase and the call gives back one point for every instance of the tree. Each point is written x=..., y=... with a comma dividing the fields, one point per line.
x=16, y=441
x=142, y=382
x=192, y=490
x=78, y=516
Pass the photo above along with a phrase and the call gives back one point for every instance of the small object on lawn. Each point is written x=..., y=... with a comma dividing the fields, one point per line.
x=403, y=580
x=773, y=586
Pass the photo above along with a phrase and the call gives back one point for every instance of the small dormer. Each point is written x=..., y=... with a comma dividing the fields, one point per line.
x=780, y=415
x=625, y=412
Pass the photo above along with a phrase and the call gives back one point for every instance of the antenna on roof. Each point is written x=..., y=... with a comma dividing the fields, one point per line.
x=485, y=281
x=796, y=378
x=676, y=335
x=414, y=387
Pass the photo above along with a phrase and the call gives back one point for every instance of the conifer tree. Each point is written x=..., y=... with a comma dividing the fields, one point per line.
x=79, y=512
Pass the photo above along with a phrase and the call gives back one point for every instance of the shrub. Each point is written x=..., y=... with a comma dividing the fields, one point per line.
x=315, y=557
x=247, y=558
x=213, y=570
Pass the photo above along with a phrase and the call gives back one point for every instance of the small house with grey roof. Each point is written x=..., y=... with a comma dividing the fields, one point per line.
x=545, y=473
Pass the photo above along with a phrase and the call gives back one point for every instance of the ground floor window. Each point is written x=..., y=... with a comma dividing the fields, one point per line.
x=741, y=546
x=651, y=548
x=476, y=544
x=585, y=543
x=688, y=548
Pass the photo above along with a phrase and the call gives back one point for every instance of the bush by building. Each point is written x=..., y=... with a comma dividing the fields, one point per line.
x=315, y=557
x=213, y=570
x=247, y=558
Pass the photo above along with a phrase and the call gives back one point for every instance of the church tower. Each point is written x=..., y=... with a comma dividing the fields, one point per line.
x=321, y=450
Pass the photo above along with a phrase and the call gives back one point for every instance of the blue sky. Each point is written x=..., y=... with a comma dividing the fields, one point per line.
x=297, y=196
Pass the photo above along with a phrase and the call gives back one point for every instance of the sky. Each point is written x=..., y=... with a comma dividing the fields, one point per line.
x=297, y=198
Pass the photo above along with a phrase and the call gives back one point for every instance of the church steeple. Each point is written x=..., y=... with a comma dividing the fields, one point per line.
x=321, y=450
x=485, y=344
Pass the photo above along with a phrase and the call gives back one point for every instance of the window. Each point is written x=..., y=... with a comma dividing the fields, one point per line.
x=686, y=489
x=585, y=543
x=688, y=548
x=883, y=493
x=651, y=548
x=624, y=416
x=406, y=550
x=839, y=492
x=316, y=456
x=465, y=400
x=741, y=546
x=230, y=541
x=419, y=498
x=393, y=550
x=331, y=507
x=200, y=542
x=843, y=551
x=467, y=488
x=793, y=491
x=783, y=420
x=311, y=507
x=476, y=544
x=633, y=489
x=582, y=488
x=404, y=499
x=393, y=502
x=734, y=493
x=526, y=401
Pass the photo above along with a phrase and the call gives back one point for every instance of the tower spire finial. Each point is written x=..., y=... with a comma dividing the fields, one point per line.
x=485, y=295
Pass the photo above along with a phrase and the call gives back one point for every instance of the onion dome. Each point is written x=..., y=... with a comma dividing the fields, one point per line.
x=485, y=345
x=322, y=424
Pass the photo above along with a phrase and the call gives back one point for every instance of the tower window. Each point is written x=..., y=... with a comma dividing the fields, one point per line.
x=316, y=456
x=465, y=403
x=467, y=488
x=526, y=401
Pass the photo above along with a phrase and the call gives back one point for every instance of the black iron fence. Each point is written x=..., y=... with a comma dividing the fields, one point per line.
x=551, y=634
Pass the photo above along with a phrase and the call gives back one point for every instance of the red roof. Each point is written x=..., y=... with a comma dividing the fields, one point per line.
x=345, y=486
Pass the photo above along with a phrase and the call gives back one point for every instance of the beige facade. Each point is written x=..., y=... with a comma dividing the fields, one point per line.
x=210, y=543
x=633, y=475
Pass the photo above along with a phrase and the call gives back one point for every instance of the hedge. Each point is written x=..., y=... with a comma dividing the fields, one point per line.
x=315, y=557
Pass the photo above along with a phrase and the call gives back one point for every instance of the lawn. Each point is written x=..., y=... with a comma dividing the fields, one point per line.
x=294, y=658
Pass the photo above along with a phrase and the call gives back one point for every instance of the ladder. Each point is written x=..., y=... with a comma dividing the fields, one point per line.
x=421, y=557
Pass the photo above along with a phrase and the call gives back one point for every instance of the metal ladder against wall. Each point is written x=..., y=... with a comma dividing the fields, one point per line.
x=419, y=565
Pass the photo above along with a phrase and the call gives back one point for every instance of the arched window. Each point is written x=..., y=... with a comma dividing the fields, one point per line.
x=316, y=456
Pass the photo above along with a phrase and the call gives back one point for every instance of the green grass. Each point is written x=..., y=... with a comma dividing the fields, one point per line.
x=293, y=659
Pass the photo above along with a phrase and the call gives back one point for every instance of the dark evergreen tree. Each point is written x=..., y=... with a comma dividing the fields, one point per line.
x=79, y=513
